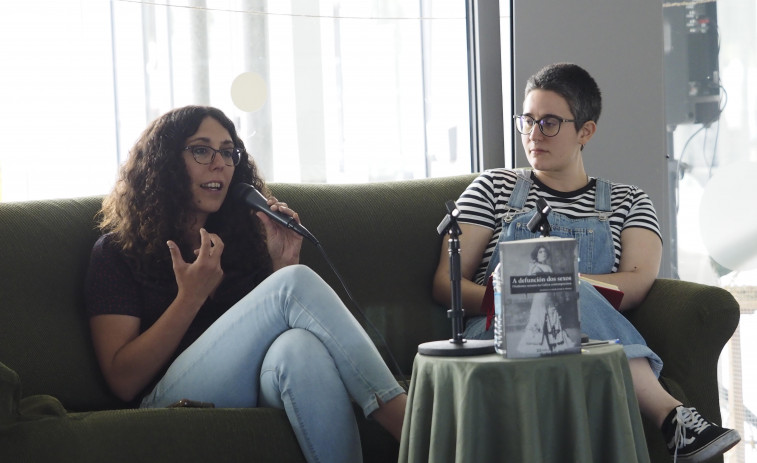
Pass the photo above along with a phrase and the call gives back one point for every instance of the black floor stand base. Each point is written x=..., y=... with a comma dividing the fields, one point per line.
x=457, y=349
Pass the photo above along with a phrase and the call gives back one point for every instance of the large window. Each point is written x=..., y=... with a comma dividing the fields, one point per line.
x=321, y=91
x=56, y=99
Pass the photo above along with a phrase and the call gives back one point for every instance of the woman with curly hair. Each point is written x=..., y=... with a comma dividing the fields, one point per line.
x=174, y=314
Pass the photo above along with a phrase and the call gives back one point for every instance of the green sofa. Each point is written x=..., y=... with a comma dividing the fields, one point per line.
x=55, y=406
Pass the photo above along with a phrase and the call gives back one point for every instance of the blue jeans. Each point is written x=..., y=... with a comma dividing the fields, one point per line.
x=290, y=343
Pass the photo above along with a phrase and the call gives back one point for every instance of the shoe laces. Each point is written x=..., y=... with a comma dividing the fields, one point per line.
x=687, y=419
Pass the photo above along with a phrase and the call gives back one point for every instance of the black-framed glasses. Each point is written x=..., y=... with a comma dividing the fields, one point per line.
x=205, y=154
x=548, y=125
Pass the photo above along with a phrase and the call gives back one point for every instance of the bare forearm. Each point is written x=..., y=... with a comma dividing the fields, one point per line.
x=639, y=266
x=133, y=365
x=635, y=286
x=473, y=242
x=472, y=294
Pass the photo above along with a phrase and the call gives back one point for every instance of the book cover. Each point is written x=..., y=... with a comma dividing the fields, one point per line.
x=539, y=297
x=611, y=292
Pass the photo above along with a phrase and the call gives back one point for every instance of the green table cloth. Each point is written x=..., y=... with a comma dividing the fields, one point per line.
x=577, y=407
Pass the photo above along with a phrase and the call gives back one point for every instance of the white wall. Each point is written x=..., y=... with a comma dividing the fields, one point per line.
x=620, y=43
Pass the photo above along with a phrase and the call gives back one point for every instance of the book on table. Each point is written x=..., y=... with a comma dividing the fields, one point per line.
x=539, y=312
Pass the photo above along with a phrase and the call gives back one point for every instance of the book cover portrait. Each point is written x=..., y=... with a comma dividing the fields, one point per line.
x=540, y=297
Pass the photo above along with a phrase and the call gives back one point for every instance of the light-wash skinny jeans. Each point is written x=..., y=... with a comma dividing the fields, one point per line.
x=292, y=344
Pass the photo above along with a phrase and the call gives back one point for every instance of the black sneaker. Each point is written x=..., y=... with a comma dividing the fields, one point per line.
x=691, y=438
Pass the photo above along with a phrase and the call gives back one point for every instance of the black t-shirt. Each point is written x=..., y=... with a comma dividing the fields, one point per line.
x=113, y=286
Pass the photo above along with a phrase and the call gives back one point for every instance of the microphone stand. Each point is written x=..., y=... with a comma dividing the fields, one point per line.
x=457, y=346
x=539, y=220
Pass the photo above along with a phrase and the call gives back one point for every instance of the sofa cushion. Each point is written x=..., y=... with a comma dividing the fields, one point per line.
x=238, y=435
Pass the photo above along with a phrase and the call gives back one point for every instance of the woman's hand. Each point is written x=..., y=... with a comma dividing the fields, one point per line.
x=283, y=244
x=198, y=280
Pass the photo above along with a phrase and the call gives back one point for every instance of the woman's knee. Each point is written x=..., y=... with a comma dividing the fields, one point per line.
x=294, y=348
x=295, y=359
x=298, y=272
x=300, y=280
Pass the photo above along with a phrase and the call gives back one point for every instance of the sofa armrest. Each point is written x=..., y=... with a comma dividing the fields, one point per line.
x=687, y=324
x=10, y=394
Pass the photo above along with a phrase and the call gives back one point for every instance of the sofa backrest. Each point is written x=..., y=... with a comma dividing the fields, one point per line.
x=44, y=335
x=381, y=237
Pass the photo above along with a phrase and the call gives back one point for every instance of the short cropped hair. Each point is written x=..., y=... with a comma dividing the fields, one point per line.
x=573, y=83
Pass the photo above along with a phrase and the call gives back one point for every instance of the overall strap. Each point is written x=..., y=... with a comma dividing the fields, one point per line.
x=520, y=192
x=603, y=199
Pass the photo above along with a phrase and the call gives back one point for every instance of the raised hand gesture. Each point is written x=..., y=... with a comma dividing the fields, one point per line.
x=199, y=279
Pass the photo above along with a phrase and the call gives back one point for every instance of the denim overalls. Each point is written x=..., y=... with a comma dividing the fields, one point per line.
x=599, y=319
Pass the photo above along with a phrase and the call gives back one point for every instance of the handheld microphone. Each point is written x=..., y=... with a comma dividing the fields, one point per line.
x=250, y=196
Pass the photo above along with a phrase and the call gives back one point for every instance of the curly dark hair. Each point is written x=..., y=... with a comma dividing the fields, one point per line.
x=150, y=202
x=573, y=83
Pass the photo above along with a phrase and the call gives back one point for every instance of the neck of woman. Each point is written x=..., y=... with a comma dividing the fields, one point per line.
x=563, y=181
x=193, y=233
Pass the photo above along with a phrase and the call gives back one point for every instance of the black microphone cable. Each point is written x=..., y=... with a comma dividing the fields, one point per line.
x=394, y=362
x=254, y=199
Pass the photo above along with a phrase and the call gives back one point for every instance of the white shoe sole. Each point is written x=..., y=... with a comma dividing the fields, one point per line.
x=717, y=447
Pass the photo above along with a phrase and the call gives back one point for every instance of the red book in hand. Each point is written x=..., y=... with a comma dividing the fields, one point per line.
x=611, y=292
